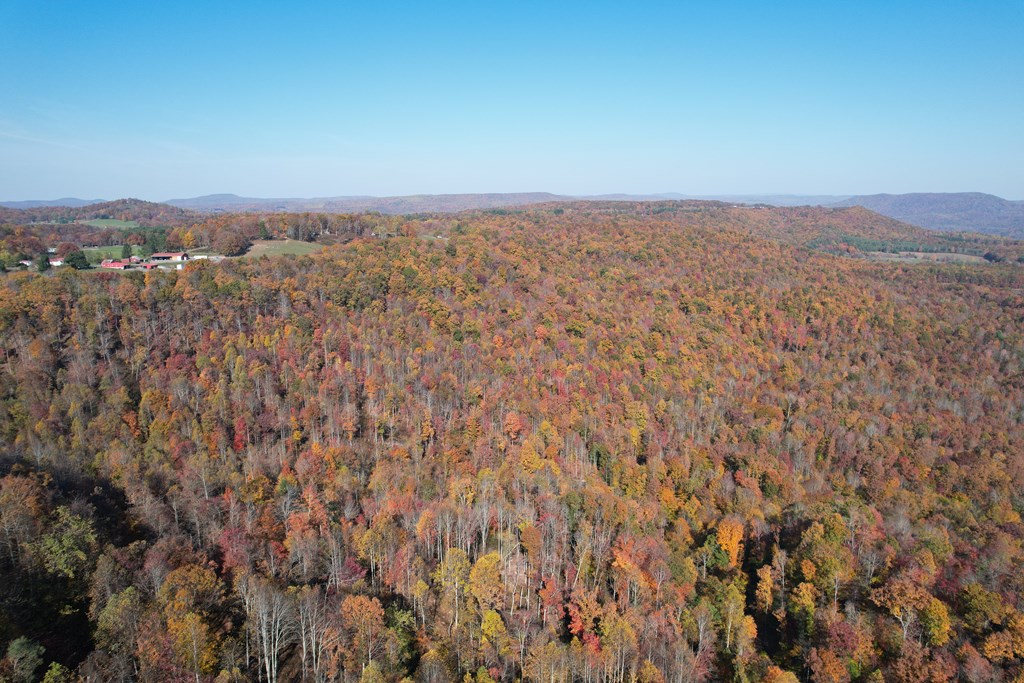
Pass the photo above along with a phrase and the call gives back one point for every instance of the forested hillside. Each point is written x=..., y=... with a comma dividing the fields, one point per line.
x=145, y=213
x=852, y=231
x=605, y=444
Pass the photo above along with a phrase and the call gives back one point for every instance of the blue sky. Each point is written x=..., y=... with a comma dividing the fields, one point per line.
x=162, y=100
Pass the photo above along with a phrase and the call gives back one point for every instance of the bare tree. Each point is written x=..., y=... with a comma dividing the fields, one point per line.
x=316, y=635
x=269, y=620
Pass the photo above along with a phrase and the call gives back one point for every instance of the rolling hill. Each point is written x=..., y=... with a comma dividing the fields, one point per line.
x=950, y=212
x=142, y=212
x=849, y=231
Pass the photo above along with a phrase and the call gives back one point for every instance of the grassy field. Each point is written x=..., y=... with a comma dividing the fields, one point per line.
x=259, y=248
x=97, y=254
x=110, y=223
x=281, y=247
x=920, y=256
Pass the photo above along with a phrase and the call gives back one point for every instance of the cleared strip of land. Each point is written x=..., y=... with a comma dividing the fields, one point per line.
x=281, y=247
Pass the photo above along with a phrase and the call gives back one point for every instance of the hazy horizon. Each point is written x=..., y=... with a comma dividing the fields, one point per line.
x=655, y=195
x=190, y=99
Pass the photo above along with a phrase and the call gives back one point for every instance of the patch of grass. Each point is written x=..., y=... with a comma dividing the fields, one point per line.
x=925, y=257
x=281, y=248
x=110, y=223
x=97, y=254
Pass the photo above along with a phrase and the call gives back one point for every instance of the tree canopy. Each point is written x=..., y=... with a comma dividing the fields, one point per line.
x=603, y=443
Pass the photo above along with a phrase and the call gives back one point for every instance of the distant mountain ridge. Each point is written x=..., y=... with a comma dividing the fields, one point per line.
x=447, y=203
x=948, y=212
x=425, y=203
x=234, y=202
x=71, y=202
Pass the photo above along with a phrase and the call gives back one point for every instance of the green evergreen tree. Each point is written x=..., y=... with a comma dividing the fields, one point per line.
x=24, y=656
x=77, y=260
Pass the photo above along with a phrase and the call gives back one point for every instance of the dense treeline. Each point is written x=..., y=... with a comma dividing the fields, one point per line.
x=572, y=445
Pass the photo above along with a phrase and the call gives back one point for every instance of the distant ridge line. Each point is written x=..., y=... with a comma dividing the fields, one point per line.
x=949, y=211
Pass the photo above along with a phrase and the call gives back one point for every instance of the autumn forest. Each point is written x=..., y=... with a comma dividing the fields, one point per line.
x=606, y=442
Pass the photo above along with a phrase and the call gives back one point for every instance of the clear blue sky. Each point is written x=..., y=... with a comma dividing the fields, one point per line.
x=172, y=99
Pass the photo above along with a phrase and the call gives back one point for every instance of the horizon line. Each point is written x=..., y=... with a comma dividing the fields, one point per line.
x=664, y=196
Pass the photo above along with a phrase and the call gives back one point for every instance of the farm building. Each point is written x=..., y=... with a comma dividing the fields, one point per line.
x=170, y=256
x=115, y=264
